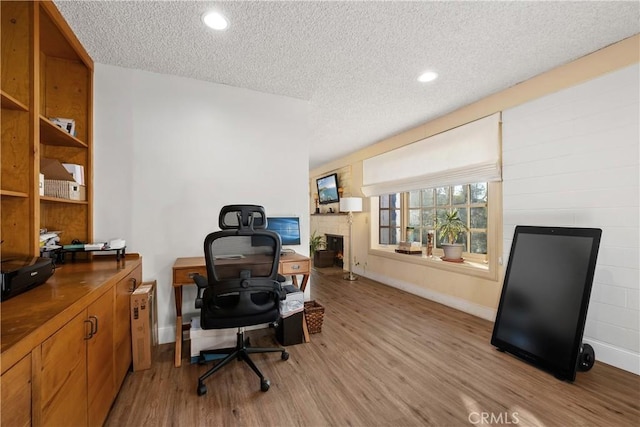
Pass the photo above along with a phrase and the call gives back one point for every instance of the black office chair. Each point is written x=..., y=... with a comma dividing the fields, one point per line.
x=241, y=288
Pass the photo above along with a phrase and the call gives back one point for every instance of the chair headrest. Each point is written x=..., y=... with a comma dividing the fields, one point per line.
x=241, y=217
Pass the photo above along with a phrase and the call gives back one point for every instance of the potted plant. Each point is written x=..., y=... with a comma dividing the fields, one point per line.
x=450, y=228
x=321, y=256
x=316, y=243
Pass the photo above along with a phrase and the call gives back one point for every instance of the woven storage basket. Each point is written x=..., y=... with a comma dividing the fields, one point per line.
x=313, y=313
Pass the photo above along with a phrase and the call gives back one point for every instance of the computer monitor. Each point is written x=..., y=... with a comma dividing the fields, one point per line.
x=287, y=227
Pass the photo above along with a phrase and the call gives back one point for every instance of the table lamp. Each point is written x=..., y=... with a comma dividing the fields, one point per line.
x=350, y=205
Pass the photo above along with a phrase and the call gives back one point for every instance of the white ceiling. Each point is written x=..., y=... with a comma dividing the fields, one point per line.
x=355, y=62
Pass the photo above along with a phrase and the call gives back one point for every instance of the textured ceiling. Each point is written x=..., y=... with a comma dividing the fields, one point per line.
x=355, y=62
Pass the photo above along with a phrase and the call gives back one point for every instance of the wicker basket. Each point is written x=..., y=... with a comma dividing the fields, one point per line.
x=313, y=313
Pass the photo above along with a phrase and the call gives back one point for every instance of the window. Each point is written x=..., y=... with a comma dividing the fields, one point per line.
x=389, y=220
x=418, y=211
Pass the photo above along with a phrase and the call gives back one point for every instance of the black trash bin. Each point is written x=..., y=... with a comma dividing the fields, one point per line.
x=289, y=330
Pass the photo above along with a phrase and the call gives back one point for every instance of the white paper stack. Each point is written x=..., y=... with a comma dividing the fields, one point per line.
x=77, y=171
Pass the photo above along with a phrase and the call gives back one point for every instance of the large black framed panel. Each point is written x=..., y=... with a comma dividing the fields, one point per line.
x=545, y=296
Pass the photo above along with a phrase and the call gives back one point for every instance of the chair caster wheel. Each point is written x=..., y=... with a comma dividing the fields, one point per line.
x=285, y=355
x=202, y=389
x=264, y=385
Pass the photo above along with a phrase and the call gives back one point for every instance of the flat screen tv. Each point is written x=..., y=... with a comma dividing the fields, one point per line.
x=287, y=227
x=545, y=296
x=328, y=189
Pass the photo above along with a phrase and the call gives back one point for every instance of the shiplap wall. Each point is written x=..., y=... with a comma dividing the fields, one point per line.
x=571, y=159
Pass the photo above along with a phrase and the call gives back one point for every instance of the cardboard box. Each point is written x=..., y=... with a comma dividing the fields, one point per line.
x=143, y=324
x=58, y=182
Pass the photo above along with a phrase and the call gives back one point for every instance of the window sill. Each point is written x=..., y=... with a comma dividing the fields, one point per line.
x=470, y=268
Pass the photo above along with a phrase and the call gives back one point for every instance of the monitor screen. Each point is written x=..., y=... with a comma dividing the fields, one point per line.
x=545, y=296
x=287, y=227
x=328, y=189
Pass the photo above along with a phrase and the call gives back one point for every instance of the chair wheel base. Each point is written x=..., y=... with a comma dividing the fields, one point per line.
x=284, y=356
x=264, y=385
x=202, y=389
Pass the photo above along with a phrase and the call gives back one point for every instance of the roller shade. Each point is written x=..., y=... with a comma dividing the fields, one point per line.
x=463, y=155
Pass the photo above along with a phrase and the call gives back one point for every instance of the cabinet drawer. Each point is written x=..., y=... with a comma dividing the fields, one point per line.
x=294, y=267
x=185, y=276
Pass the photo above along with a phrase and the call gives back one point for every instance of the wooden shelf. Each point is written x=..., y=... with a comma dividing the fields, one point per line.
x=50, y=134
x=58, y=200
x=330, y=214
x=14, y=193
x=45, y=73
x=10, y=103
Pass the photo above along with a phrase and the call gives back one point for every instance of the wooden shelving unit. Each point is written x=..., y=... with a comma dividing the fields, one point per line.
x=10, y=193
x=58, y=200
x=45, y=73
x=10, y=103
x=50, y=134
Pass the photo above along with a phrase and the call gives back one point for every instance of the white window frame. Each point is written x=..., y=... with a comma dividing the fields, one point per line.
x=487, y=269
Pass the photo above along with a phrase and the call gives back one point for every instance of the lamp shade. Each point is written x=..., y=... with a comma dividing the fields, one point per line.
x=351, y=204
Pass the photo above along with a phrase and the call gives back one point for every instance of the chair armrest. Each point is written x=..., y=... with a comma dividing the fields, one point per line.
x=202, y=283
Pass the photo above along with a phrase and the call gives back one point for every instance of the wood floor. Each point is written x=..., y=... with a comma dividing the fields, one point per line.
x=383, y=358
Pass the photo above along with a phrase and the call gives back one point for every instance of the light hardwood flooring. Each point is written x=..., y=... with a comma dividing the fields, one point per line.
x=384, y=358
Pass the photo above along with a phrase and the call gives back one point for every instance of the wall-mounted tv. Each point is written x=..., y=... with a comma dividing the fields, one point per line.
x=328, y=189
x=545, y=296
x=287, y=227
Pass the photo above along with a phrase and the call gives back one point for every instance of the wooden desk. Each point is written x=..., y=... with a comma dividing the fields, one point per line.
x=185, y=268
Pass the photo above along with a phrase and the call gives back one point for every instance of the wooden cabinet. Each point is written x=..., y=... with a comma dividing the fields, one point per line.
x=101, y=381
x=15, y=403
x=64, y=354
x=122, y=328
x=61, y=398
x=77, y=382
x=45, y=73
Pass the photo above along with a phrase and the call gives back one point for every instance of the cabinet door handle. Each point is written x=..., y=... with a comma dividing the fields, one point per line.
x=134, y=281
x=93, y=331
x=90, y=335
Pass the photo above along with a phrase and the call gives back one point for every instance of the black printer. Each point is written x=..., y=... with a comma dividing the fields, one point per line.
x=22, y=273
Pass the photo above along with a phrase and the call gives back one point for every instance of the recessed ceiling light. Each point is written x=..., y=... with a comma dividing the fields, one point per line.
x=428, y=76
x=215, y=20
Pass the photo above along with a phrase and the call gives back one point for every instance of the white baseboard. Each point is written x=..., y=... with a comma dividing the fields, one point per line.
x=615, y=356
x=448, y=300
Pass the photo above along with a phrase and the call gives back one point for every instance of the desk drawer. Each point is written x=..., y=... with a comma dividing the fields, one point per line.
x=294, y=267
x=184, y=276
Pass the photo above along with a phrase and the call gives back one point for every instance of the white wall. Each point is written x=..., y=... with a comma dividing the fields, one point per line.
x=170, y=152
x=572, y=159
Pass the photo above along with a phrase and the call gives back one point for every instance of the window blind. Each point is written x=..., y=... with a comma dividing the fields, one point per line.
x=463, y=155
